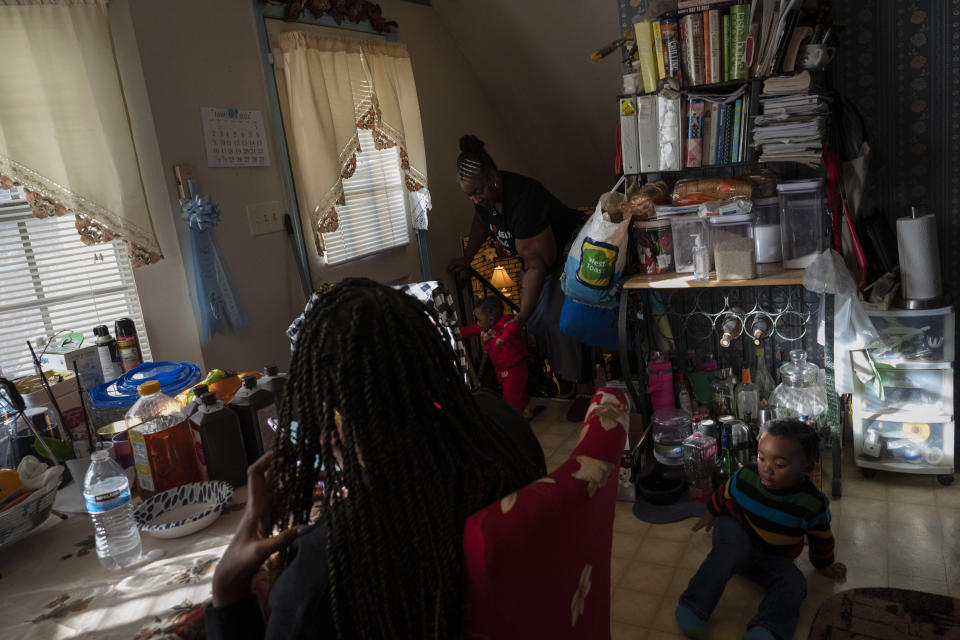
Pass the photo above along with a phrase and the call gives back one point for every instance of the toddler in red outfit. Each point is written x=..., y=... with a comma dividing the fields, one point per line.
x=507, y=347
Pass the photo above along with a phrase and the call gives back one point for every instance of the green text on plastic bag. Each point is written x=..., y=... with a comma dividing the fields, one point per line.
x=597, y=262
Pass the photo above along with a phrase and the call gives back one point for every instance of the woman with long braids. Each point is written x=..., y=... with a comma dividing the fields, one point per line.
x=530, y=223
x=377, y=414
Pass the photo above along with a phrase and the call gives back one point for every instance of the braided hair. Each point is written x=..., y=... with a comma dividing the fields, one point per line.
x=473, y=161
x=417, y=458
x=797, y=431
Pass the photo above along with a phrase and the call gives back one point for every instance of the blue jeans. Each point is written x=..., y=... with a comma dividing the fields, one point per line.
x=735, y=552
x=563, y=352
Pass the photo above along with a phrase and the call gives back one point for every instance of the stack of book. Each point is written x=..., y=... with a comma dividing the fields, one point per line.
x=717, y=129
x=791, y=128
x=711, y=41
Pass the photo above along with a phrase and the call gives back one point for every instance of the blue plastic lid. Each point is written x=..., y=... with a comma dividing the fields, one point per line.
x=121, y=393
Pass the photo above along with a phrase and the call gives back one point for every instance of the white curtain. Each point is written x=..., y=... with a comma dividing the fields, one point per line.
x=64, y=130
x=331, y=87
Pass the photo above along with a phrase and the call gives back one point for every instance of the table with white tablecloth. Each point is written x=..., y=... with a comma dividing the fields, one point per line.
x=52, y=585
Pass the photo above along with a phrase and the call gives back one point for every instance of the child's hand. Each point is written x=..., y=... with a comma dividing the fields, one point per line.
x=705, y=522
x=836, y=571
x=499, y=342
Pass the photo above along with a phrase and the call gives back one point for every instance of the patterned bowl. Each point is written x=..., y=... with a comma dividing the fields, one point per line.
x=184, y=510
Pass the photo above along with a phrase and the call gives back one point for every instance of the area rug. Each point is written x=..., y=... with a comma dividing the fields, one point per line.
x=887, y=614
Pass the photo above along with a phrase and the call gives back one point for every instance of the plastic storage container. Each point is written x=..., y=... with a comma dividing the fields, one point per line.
x=900, y=443
x=669, y=211
x=919, y=391
x=734, y=249
x=653, y=240
x=914, y=336
x=803, y=221
x=670, y=428
x=699, y=461
x=766, y=230
x=684, y=229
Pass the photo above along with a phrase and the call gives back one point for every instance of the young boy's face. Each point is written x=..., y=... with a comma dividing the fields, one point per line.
x=485, y=320
x=781, y=462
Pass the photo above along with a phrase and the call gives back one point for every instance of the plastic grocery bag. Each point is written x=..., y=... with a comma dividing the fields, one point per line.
x=597, y=257
x=853, y=330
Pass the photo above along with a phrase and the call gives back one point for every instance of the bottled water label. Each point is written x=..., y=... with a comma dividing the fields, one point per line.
x=107, y=501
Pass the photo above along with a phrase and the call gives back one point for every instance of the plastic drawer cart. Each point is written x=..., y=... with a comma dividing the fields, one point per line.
x=903, y=417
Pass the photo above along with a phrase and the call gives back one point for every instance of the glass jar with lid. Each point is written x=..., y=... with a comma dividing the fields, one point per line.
x=670, y=428
x=800, y=395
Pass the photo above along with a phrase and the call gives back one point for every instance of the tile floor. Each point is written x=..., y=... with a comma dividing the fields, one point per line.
x=894, y=530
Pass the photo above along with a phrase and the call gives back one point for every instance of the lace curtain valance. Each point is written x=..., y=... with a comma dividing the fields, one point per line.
x=64, y=130
x=335, y=86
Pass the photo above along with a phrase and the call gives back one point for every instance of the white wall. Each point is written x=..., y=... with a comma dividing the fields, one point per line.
x=164, y=294
x=206, y=54
x=194, y=54
x=452, y=102
x=532, y=60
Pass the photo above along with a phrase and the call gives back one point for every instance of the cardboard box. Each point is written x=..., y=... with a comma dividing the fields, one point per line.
x=87, y=359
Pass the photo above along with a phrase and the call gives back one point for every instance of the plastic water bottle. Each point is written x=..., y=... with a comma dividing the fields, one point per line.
x=106, y=493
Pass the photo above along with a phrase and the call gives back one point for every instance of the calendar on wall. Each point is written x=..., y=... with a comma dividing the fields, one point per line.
x=234, y=138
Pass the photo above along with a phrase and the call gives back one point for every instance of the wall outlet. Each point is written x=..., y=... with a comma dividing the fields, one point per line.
x=265, y=217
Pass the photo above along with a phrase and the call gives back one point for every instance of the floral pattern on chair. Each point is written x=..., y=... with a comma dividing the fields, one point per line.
x=544, y=550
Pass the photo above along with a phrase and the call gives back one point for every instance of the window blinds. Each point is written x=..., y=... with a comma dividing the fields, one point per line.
x=375, y=216
x=51, y=282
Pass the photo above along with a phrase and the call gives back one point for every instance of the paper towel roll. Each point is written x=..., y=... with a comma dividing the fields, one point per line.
x=919, y=257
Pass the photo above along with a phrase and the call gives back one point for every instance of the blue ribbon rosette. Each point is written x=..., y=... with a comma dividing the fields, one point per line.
x=217, y=297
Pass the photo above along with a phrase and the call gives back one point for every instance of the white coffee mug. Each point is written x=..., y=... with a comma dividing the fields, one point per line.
x=814, y=56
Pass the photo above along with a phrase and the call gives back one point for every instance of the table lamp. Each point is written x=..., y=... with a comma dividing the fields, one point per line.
x=501, y=280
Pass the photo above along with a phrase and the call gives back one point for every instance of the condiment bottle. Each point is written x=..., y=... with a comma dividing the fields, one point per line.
x=273, y=381
x=223, y=449
x=255, y=407
x=164, y=445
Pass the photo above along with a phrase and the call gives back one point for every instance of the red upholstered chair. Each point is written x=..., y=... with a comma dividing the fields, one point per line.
x=538, y=560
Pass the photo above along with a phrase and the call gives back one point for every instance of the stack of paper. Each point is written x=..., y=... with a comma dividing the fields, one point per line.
x=791, y=128
x=783, y=85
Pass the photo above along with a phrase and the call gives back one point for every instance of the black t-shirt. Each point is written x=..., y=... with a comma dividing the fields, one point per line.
x=528, y=209
x=300, y=599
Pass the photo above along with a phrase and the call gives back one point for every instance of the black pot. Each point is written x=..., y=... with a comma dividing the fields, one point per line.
x=657, y=489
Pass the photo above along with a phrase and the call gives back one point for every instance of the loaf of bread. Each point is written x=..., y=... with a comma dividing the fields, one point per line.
x=698, y=191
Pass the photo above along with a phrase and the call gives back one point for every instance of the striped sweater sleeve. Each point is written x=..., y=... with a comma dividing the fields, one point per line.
x=722, y=501
x=820, y=543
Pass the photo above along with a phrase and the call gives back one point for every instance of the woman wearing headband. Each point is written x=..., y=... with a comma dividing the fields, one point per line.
x=530, y=223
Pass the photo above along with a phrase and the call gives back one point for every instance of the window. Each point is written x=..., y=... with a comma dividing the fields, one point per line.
x=50, y=282
x=375, y=216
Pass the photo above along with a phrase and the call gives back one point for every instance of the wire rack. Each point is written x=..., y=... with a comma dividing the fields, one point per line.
x=690, y=322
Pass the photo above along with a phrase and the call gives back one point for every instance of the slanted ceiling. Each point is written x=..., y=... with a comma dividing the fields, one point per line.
x=532, y=60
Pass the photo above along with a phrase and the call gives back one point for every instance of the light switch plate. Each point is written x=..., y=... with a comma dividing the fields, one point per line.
x=265, y=217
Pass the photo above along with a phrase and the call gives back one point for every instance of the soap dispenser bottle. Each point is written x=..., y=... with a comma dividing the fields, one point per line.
x=701, y=259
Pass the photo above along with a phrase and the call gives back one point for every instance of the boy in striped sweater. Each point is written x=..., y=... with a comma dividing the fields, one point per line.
x=759, y=518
